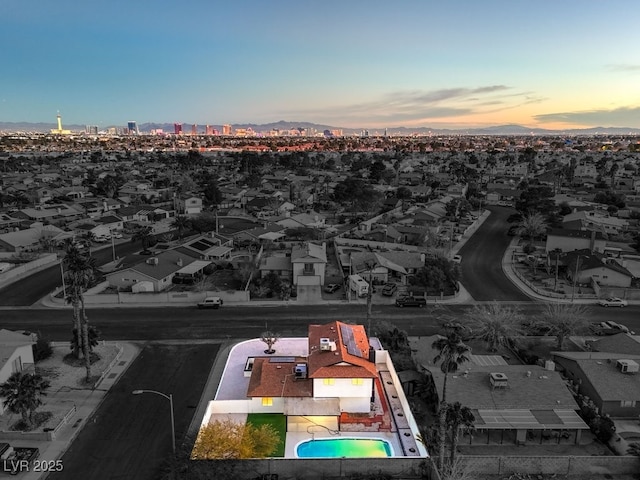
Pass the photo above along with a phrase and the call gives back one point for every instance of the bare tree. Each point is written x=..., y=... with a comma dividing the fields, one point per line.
x=269, y=338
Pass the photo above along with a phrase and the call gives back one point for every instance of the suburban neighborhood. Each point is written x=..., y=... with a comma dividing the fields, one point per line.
x=443, y=307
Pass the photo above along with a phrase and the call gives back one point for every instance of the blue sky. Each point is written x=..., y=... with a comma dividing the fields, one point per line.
x=348, y=63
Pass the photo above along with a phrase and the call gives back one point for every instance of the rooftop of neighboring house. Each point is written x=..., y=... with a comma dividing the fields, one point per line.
x=309, y=253
x=169, y=262
x=604, y=374
x=570, y=233
x=620, y=343
x=596, y=218
x=527, y=387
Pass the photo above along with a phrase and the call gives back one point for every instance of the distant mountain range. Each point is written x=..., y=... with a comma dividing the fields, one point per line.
x=285, y=125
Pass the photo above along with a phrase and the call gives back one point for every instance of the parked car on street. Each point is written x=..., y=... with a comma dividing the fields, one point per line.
x=613, y=302
x=457, y=259
x=332, y=287
x=117, y=235
x=389, y=289
x=408, y=301
x=211, y=302
x=608, y=328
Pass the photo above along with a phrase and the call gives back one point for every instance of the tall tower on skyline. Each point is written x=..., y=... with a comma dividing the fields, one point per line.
x=177, y=128
x=194, y=129
x=59, y=130
x=132, y=126
x=226, y=129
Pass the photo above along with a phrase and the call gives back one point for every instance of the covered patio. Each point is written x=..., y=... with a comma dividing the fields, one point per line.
x=524, y=426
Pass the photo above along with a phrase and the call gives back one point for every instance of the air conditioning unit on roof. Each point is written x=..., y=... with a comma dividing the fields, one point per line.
x=325, y=345
x=628, y=366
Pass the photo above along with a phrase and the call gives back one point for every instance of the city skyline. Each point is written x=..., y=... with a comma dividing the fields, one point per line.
x=351, y=64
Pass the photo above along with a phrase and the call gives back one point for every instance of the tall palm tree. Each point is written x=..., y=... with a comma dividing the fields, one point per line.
x=452, y=353
x=144, y=236
x=457, y=416
x=496, y=324
x=22, y=394
x=181, y=223
x=79, y=272
x=563, y=320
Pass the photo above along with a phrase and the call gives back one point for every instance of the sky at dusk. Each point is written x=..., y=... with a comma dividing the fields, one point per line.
x=347, y=63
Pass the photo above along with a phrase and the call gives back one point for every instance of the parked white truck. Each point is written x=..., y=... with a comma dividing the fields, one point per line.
x=358, y=285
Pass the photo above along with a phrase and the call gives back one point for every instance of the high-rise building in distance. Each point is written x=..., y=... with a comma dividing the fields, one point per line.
x=133, y=128
x=226, y=129
x=194, y=129
x=91, y=129
x=177, y=128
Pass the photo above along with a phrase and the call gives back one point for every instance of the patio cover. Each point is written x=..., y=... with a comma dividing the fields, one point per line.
x=302, y=406
x=194, y=267
x=529, y=419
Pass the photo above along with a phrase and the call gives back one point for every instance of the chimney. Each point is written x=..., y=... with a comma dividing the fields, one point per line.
x=592, y=242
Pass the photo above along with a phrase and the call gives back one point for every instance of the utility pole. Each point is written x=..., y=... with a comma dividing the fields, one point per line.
x=575, y=279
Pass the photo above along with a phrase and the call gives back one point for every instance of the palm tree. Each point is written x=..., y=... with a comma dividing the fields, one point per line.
x=145, y=237
x=532, y=225
x=458, y=416
x=22, y=394
x=453, y=353
x=563, y=320
x=79, y=272
x=496, y=324
x=181, y=223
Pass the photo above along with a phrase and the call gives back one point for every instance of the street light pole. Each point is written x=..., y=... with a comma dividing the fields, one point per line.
x=173, y=423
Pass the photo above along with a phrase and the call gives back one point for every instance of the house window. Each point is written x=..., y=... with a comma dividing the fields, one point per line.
x=267, y=402
x=357, y=381
x=627, y=403
x=329, y=381
x=308, y=268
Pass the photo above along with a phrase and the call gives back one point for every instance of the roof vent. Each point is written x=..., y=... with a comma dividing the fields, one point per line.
x=152, y=261
x=628, y=366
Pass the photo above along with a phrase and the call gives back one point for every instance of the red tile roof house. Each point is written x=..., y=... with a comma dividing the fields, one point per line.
x=335, y=383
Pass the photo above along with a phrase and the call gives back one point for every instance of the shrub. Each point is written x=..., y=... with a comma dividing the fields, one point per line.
x=528, y=248
x=42, y=349
x=603, y=428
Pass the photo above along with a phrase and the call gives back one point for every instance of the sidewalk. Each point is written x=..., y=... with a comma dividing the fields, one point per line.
x=87, y=402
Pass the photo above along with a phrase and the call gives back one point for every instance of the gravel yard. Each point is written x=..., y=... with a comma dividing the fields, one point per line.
x=63, y=379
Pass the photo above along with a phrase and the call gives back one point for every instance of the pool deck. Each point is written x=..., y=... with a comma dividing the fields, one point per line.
x=233, y=385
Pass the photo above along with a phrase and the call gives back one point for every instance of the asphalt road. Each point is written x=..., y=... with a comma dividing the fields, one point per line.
x=481, y=265
x=129, y=436
x=29, y=290
x=189, y=323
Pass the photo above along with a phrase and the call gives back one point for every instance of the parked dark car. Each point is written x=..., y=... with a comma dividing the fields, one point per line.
x=407, y=301
x=389, y=289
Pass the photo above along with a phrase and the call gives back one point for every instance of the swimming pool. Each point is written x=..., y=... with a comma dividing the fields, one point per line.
x=344, y=447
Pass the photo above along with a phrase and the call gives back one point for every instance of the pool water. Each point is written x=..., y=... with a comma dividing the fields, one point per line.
x=344, y=447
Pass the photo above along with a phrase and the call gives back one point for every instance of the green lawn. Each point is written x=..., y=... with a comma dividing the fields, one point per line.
x=277, y=421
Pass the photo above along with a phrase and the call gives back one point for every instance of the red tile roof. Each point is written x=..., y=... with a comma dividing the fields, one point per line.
x=273, y=378
x=339, y=363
